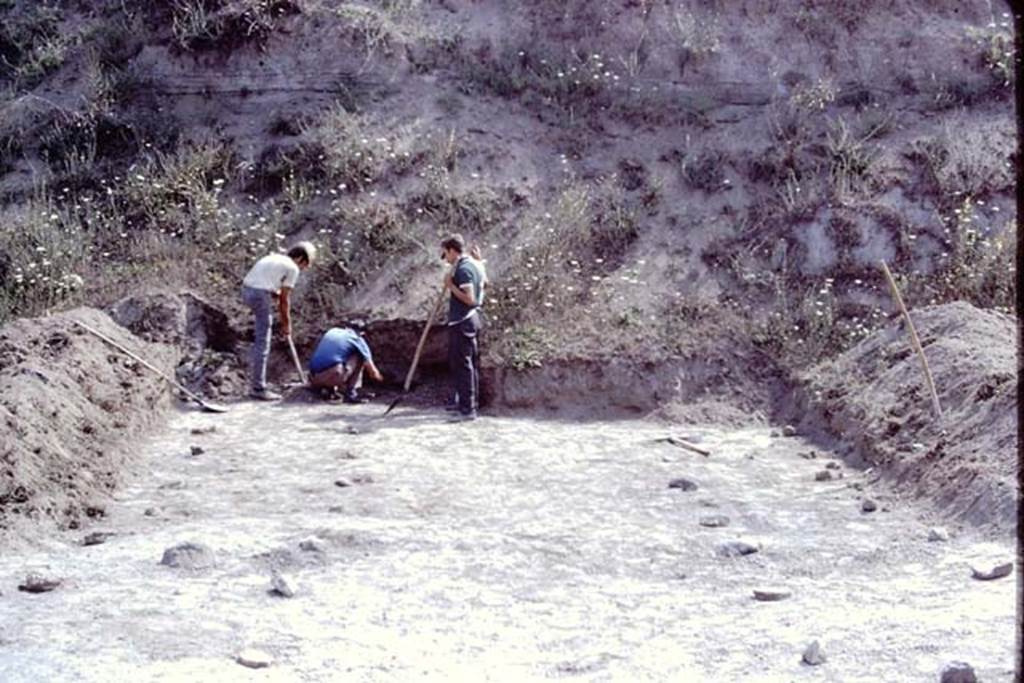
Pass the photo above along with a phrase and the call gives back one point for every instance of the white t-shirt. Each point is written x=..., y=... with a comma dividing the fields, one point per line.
x=272, y=272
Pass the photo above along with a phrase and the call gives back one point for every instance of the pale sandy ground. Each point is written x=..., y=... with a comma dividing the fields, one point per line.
x=510, y=549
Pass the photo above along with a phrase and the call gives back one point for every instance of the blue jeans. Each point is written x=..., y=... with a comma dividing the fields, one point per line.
x=260, y=301
x=464, y=362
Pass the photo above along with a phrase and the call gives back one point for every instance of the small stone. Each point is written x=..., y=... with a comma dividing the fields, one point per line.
x=771, y=594
x=150, y=512
x=774, y=433
x=254, y=659
x=813, y=655
x=823, y=475
x=997, y=572
x=352, y=429
x=97, y=537
x=832, y=465
x=735, y=549
x=362, y=479
x=336, y=510
x=868, y=505
x=282, y=585
x=714, y=521
x=938, y=533
x=35, y=583
x=196, y=450
x=197, y=431
x=683, y=484
x=808, y=455
x=707, y=503
x=958, y=672
x=342, y=482
x=188, y=556
x=313, y=545
x=789, y=430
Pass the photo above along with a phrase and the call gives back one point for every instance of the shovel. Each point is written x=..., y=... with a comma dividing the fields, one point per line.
x=295, y=359
x=419, y=350
x=205, y=405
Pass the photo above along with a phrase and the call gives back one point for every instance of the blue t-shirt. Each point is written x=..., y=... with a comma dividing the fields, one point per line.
x=336, y=346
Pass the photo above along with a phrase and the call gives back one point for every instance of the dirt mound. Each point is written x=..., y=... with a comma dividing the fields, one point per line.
x=205, y=334
x=875, y=399
x=68, y=402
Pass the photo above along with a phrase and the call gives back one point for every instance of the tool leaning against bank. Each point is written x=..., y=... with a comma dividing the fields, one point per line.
x=272, y=277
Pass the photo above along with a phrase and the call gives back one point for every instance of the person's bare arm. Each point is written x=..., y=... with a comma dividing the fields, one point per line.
x=463, y=293
x=374, y=373
x=284, y=310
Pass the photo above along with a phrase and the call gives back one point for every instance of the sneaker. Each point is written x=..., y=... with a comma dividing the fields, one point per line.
x=264, y=395
x=463, y=417
x=355, y=398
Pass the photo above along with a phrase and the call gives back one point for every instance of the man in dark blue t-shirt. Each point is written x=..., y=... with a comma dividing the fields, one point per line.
x=465, y=283
x=338, y=362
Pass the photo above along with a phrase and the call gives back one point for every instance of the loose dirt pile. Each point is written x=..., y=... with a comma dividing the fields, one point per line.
x=203, y=333
x=68, y=403
x=874, y=398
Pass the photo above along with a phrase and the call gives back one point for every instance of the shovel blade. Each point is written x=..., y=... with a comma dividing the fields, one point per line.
x=212, y=407
x=391, y=406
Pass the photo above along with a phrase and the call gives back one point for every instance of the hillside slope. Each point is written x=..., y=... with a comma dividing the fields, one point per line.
x=643, y=163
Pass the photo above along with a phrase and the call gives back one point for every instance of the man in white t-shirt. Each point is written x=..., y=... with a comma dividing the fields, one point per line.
x=272, y=276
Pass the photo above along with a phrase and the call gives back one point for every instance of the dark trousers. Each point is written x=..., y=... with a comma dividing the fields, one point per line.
x=464, y=362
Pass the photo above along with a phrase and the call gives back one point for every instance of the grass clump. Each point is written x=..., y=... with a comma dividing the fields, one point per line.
x=205, y=24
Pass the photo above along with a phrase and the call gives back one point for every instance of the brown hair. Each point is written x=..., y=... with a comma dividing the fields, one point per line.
x=454, y=242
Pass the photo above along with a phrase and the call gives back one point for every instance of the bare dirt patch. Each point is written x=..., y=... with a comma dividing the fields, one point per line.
x=69, y=403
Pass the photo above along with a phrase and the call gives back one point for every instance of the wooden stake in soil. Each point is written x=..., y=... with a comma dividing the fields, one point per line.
x=914, y=341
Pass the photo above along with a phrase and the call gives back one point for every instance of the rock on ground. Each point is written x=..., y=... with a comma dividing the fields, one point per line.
x=735, y=549
x=34, y=583
x=254, y=659
x=813, y=654
x=282, y=585
x=313, y=544
x=771, y=594
x=189, y=556
x=992, y=573
x=958, y=672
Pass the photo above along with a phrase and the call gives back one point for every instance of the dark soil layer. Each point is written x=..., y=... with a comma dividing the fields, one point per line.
x=69, y=403
x=875, y=399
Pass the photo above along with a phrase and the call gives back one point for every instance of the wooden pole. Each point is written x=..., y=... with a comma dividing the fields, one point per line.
x=914, y=341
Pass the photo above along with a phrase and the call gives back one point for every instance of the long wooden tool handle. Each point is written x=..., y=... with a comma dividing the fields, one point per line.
x=295, y=359
x=125, y=351
x=423, y=339
x=914, y=341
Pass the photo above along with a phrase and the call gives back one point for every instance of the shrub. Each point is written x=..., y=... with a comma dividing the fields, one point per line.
x=43, y=251
x=996, y=51
x=206, y=24
x=965, y=159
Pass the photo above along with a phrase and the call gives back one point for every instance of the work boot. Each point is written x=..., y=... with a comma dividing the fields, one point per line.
x=264, y=395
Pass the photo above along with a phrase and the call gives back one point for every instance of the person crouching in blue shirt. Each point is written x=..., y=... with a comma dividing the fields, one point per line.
x=338, y=362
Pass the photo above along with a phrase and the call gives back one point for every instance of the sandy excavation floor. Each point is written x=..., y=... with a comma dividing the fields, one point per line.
x=511, y=549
